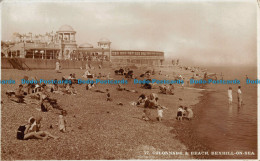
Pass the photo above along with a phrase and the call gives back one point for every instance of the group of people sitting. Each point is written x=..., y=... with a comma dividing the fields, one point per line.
x=151, y=102
x=32, y=130
x=148, y=73
x=126, y=72
x=120, y=87
x=184, y=113
x=166, y=89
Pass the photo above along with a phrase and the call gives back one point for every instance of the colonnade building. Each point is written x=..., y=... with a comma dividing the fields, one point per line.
x=62, y=45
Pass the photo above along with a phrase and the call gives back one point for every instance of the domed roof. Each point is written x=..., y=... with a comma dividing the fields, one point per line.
x=66, y=28
x=104, y=40
x=86, y=45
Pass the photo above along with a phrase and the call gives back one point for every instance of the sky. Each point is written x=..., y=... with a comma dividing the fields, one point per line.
x=198, y=32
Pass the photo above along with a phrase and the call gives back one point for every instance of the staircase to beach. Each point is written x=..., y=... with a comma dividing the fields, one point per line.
x=17, y=64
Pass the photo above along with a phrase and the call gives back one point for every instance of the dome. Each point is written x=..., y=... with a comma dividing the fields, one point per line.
x=66, y=28
x=86, y=45
x=104, y=40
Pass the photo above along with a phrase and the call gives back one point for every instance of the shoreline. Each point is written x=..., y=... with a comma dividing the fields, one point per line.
x=184, y=130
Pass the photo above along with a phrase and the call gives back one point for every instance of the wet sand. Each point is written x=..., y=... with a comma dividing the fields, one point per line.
x=186, y=132
x=97, y=129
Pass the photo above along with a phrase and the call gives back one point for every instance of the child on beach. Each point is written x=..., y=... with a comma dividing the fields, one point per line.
x=62, y=123
x=229, y=95
x=180, y=113
x=160, y=112
x=188, y=113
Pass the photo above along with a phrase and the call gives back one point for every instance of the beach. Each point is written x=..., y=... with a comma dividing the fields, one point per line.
x=97, y=129
x=219, y=127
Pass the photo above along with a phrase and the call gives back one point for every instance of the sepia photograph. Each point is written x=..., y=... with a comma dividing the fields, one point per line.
x=129, y=80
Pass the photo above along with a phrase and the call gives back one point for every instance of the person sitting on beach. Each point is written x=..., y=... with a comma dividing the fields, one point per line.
x=70, y=89
x=37, y=88
x=187, y=113
x=230, y=95
x=90, y=85
x=147, y=85
x=45, y=105
x=28, y=87
x=87, y=74
x=99, y=75
x=19, y=94
x=108, y=95
x=32, y=131
x=72, y=78
x=45, y=100
x=69, y=77
x=162, y=89
x=151, y=103
x=141, y=100
x=120, y=87
x=55, y=85
x=180, y=113
x=170, y=89
x=38, y=120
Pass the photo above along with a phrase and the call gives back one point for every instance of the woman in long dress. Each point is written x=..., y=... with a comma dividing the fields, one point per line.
x=57, y=67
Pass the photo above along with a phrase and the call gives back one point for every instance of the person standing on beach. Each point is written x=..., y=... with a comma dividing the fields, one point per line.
x=108, y=95
x=183, y=82
x=57, y=67
x=246, y=77
x=222, y=76
x=239, y=96
x=160, y=112
x=229, y=95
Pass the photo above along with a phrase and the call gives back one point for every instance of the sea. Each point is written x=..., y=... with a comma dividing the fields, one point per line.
x=230, y=128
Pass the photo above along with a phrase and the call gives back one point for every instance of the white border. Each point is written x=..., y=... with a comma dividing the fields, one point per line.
x=75, y=1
